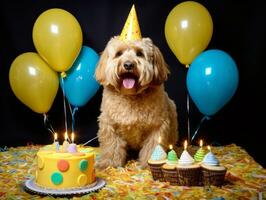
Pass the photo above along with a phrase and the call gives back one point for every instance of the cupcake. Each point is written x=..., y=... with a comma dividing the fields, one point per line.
x=169, y=169
x=157, y=160
x=188, y=172
x=212, y=172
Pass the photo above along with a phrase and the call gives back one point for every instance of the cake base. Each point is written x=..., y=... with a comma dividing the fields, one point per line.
x=31, y=186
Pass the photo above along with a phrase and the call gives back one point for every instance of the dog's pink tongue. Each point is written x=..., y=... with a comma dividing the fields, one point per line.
x=128, y=83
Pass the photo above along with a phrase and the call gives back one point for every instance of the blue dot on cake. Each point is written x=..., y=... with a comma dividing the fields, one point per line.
x=57, y=178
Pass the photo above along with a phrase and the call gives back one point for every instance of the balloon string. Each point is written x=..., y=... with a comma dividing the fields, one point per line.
x=64, y=101
x=199, y=126
x=188, y=110
x=47, y=124
x=89, y=141
x=73, y=118
x=188, y=122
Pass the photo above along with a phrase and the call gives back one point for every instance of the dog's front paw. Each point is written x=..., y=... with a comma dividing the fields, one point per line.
x=144, y=164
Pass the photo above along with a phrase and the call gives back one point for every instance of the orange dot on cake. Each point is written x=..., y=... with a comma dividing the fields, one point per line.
x=63, y=165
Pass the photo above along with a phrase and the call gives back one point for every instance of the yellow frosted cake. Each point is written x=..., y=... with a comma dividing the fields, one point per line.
x=61, y=170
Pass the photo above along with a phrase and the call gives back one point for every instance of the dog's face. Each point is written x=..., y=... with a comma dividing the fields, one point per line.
x=131, y=66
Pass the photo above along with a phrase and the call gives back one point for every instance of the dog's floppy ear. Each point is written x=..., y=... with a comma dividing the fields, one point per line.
x=100, y=70
x=160, y=67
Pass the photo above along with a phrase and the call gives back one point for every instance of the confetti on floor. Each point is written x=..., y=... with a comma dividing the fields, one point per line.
x=245, y=179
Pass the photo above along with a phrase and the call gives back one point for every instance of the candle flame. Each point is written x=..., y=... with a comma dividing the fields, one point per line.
x=159, y=139
x=170, y=146
x=201, y=143
x=185, y=144
x=72, y=137
x=66, y=136
x=55, y=136
x=209, y=147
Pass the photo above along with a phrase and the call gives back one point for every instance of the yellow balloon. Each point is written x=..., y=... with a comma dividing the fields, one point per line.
x=57, y=36
x=188, y=30
x=33, y=82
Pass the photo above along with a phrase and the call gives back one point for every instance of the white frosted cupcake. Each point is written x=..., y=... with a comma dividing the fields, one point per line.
x=212, y=172
x=188, y=171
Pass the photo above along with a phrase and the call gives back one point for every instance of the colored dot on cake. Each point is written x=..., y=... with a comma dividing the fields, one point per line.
x=57, y=178
x=83, y=165
x=40, y=163
x=82, y=180
x=63, y=165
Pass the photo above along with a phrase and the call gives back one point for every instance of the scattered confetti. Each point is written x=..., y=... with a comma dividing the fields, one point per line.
x=245, y=179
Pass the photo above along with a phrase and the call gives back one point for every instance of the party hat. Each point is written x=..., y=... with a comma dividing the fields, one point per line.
x=131, y=30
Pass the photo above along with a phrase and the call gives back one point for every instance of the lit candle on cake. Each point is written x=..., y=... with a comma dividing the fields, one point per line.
x=72, y=148
x=56, y=143
x=55, y=137
x=65, y=144
x=200, y=153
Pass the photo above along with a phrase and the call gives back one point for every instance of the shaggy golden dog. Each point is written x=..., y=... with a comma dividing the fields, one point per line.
x=135, y=109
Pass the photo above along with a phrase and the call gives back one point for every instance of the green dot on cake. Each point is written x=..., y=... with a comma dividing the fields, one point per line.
x=83, y=165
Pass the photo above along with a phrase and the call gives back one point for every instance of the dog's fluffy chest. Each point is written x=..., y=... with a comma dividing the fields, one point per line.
x=135, y=118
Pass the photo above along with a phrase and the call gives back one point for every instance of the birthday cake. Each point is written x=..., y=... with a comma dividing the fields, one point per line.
x=64, y=170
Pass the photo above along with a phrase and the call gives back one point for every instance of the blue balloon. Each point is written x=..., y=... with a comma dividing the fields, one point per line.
x=79, y=84
x=212, y=80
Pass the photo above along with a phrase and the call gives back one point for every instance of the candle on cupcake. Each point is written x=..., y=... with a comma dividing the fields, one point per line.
x=185, y=158
x=198, y=157
x=72, y=148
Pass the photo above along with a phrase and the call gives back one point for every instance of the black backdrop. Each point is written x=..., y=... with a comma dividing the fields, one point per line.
x=239, y=29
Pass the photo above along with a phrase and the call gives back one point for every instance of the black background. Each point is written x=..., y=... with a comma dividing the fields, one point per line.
x=239, y=29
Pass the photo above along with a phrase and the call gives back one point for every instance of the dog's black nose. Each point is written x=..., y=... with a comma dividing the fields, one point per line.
x=128, y=65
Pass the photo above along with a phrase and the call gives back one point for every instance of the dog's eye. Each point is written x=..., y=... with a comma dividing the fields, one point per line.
x=139, y=53
x=119, y=53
